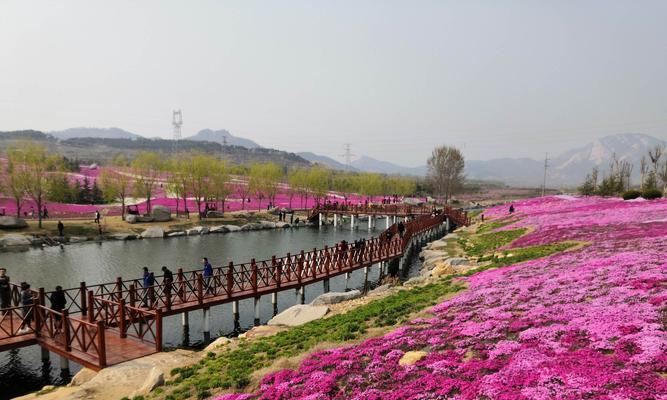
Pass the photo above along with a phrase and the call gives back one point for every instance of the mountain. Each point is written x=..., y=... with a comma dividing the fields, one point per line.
x=569, y=168
x=369, y=164
x=209, y=135
x=326, y=161
x=105, y=133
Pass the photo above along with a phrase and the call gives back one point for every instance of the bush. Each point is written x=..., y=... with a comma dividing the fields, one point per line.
x=650, y=194
x=631, y=194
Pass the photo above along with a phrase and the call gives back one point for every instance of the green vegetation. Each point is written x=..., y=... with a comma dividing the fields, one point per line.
x=652, y=193
x=233, y=368
x=481, y=244
x=631, y=194
x=520, y=254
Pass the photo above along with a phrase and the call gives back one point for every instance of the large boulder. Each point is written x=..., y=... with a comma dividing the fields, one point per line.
x=268, y=225
x=160, y=213
x=299, y=314
x=153, y=232
x=77, y=239
x=457, y=261
x=219, y=229
x=252, y=227
x=131, y=218
x=335, y=297
x=176, y=234
x=282, y=225
x=197, y=230
x=123, y=236
x=232, y=228
x=7, y=222
x=15, y=240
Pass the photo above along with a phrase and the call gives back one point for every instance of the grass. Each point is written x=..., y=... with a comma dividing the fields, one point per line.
x=481, y=244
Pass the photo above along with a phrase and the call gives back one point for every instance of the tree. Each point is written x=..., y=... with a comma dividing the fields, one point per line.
x=115, y=185
x=199, y=168
x=370, y=184
x=445, y=171
x=33, y=163
x=297, y=180
x=662, y=174
x=177, y=180
x=146, y=168
x=219, y=182
x=10, y=181
x=318, y=182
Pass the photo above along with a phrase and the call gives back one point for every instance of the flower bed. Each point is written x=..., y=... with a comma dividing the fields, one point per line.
x=585, y=323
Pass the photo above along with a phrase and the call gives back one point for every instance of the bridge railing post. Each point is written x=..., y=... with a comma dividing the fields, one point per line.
x=327, y=260
x=314, y=261
x=119, y=288
x=200, y=288
x=299, y=266
x=181, y=285
x=279, y=273
x=289, y=266
x=121, y=319
x=253, y=275
x=101, y=344
x=158, y=330
x=66, y=331
x=82, y=295
x=230, y=279
x=91, y=307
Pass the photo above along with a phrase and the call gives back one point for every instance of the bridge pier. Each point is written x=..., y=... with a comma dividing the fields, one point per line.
x=370, y=223
x=274, y=303
x=235, y=313
x=326, y=285
x=207, y=324
x=387, y=221
x=365, y=280
x=335, y=220
x=256, y=305
x=301, y=294
x=64, y=365
x=394, y=219
x=447, y=224
x=380, y=268
x=185, y=323
x=352, y=222
x=46, y=356
x=347, y=281
x=320, y=219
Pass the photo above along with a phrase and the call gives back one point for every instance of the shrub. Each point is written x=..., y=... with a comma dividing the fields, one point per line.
x=631, y=194
x=650, y=194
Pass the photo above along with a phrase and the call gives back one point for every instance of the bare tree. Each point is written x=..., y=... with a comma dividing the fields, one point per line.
x=655, y=154
x=662, y=174
x=445, y=171
x=643, y=169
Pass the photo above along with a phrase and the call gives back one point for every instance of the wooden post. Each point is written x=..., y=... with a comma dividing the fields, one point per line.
x=123, y=321
x=133, y=295
x=158, y=330
x=119, y=288
x=313, y=262
x=200, y=288
x=253, y=275
x=91, y=307
x=181, y=286
x=66, y=332
x=230, y=279
x=101, y=344
x=82, y=296
x=299, y=266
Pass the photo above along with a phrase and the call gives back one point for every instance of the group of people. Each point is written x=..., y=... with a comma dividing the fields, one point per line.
x=148, y=282
x=44, y=213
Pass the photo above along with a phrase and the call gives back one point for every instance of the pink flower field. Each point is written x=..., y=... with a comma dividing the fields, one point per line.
x=588, y=323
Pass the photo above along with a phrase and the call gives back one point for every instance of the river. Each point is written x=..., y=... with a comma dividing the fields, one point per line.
x=22, y=371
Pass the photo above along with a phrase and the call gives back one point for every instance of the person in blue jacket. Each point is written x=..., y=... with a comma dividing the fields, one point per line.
x=208, y=275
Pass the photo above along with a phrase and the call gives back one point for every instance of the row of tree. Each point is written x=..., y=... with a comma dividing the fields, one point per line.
x=617, y=179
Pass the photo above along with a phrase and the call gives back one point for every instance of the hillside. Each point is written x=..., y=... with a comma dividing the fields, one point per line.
x=209, y=135
x=110, y=133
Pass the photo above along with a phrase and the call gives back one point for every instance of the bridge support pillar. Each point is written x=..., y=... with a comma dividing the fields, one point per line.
x=352, y=222
x=447, y=224
x=64, y=364
x=405, y=219
x=207, y=324
x=394, y=219
x=45, y=354
x=370, y=223
x=256, y=304
x=326, y=285
x=380, y=270
x=274, y=303
x=320, y=219
x=301, y=294
x=185, y=323
x=335, y=220
x=347, y=281
x=235, y=313
x=365, y=279
x=387, y=218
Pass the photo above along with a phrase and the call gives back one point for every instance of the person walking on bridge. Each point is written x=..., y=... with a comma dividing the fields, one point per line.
x=58, y=303
x=167, y=279
x=208, y=275
x=5, y=291
x=27, y=302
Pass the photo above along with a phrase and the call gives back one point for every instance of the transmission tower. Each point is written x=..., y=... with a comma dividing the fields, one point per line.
x=546, y=165
x=223, y=145
x=348, y=155
x=177, y=122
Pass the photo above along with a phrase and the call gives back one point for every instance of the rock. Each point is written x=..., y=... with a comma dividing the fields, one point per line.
x=160, y=213
x=176, y=234
x=154, y=379
x=335, y=297
x=282, y=224
x=415, y=281
x=219, y=229
x=77, y=239
x=411, y=357
x=197, y=230
x=215, y=214
x=299, y=315
x=145, y=218
x=153, y=232
x=36, y=241
x=442, y=269
x=15, y=240
x=83, y=376
x=123, y=236
x=217, y=343
x=233, y=228
x=131, y=219
x=7, y=222
x=268, y=225
x=264, y=331
x=457, y=261
x=380, y=289
x=252, y=227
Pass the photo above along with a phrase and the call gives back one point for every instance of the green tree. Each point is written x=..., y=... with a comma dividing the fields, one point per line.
x=220, y=188
x=146, y=168
x=199, y=168
x=115, y=184
x=318, y=182
x=445, y=171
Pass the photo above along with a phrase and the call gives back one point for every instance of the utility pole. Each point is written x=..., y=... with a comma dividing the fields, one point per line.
x=177, y=122
x=348, y=155
x=224, y=144
x=546, y=165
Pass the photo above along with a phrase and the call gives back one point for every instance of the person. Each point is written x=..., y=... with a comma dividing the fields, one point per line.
x=167, y=278
x=32, y=212
x=61, y=228
x=97, y=216
x=5, y=291
x=482, y=217
x=401, y=228
x=45, y=213
x=26, y=302
x=511, y=208
x=58, y=303
x=150, y=283
x=208, y=274
x=145, y=283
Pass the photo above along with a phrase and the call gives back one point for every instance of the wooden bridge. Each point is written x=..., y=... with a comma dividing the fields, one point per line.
x=108, y=323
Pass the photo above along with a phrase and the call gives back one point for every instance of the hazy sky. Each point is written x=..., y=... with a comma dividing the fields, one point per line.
x=497, y=78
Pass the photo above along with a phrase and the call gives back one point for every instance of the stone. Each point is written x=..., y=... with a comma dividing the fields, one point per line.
x=282, y=225
x=160, y=213
x=380, y=289
x=442, y=269
x=411, y=357
x=415, y=281
x=123, y=236
x=252, y=227
x=153, y=232
x=233, y=228
x=457, y=261
x=153, y=379
x=15, y=240
x=131, y=218
x=7, y=222
x=335, y=297
x=217, y=343
x=145, y=218
x=197, y=230
x=176, y=234
x=219, y=229
x=77, y=239
x=215, y=214
x=299, y=315
x=268, y=225
x=83, y=376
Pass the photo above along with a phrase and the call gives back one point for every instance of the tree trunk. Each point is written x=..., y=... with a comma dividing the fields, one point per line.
x=122, y=205
x=39, y=211
x=18, y=208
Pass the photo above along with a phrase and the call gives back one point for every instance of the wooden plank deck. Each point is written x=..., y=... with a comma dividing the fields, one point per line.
x=9, y=337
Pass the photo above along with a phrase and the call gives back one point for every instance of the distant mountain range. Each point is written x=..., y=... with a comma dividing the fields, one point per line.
x=566, y=169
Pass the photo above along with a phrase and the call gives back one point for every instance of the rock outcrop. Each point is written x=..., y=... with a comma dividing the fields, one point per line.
x=160, y=213
x=335, y=297
x=7, y=222
x=299, y=315
x=153, y=232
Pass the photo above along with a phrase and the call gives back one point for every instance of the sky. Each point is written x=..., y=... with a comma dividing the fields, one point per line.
x=392, y=78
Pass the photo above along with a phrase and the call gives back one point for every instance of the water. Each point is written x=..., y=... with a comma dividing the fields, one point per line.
x=22, y=371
